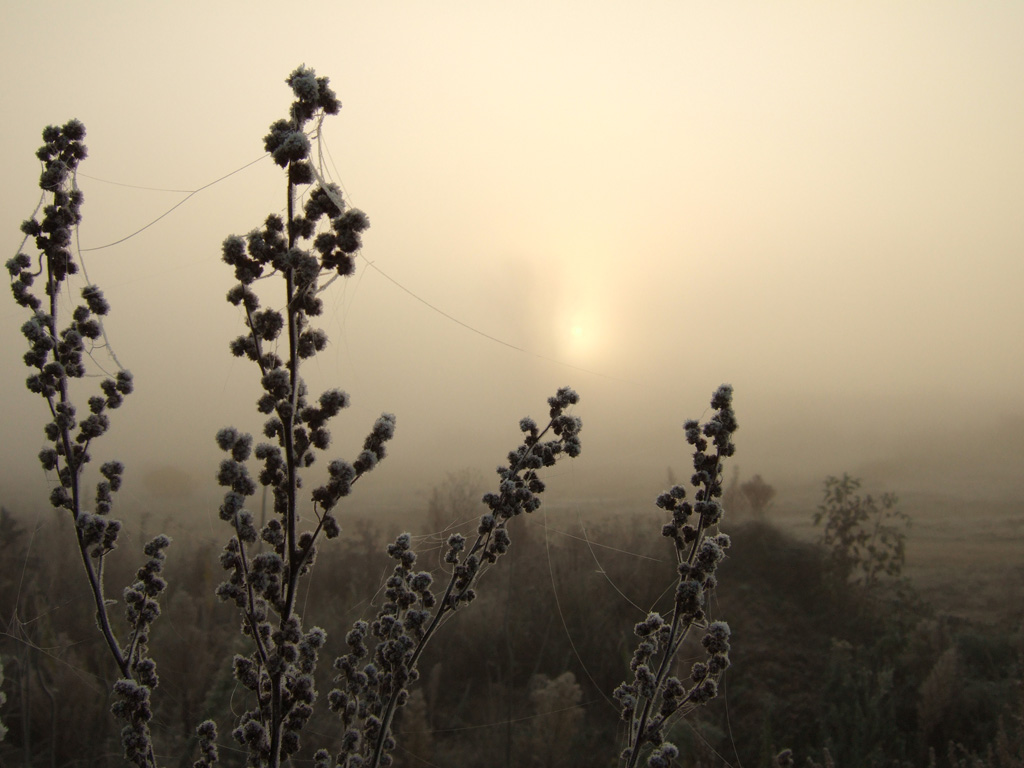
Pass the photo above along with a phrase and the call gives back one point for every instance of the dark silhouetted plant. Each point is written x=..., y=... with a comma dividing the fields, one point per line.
x=656, y=694
x=279, y=669
x=265, y=564
x=373, y=679
x=56, y=350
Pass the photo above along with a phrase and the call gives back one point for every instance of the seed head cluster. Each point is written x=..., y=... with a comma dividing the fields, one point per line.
x=374, y=676
x=265, y=564
x=656, y=694
x=56, y=357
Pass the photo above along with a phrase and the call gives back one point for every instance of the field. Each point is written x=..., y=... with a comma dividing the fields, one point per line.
x=966, y=557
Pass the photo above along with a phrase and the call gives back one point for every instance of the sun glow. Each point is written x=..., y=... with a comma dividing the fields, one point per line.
x=581, y=338
x=582, y=328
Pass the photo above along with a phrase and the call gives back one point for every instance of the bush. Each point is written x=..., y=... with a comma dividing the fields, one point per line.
x=865, y=537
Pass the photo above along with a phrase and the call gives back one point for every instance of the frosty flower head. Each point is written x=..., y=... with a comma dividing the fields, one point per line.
x=94, y=299
x=311, y=341
x=716, y=639
x=311, y=93
x=710, y=511
x=722, y=425
x=663, y=756
x=324, y=202
x=336, y=248
x=61, y=153
x=226, y=438
x=286, y=144
x=647, y=704
x=266, y=324
x=689, y=597
x=718, y=664
x=277, y=383
x=125, y=382
x=651, y=624
x=331, y=528
x=207, y=733
x=666, y=501
x=374, y=445
x=421, y=581
x=704, y=691
x=563, y=398
x=247, y=270
x=709, y=555
x=332, y=401
x=342, y=475
x=722, y=399
x=692, y=428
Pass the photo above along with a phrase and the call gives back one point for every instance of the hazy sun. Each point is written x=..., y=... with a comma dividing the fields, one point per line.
x=580, y=336
x=581, y=323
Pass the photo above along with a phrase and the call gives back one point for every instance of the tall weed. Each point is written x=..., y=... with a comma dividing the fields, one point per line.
x=302, y=252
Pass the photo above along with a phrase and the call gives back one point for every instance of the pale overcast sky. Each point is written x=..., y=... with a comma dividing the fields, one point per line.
x=820, y=203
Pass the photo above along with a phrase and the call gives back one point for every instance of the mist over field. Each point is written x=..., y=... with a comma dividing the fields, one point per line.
x=817, y=204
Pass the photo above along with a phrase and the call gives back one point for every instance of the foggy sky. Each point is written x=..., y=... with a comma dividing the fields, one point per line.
x=818, y=204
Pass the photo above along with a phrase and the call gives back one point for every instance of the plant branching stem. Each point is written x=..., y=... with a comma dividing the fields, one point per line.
x=445, y=608
x=73, y=478
x=677, y=636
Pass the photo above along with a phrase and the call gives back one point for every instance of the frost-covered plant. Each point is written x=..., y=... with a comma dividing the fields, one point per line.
x=56, y=357
x=265, y=564
x=866, y=538
x=656, y=694
x=382, y=662
x=279, y=668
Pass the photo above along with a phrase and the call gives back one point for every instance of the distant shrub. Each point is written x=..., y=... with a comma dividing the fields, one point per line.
x=556, y=724
x=758, y=495
x=865, y=537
